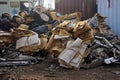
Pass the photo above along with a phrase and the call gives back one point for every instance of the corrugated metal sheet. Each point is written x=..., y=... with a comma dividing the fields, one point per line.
x=111, y=10
x=87, y=7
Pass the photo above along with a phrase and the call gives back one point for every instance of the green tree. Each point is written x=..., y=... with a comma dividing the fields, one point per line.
x=57, y=1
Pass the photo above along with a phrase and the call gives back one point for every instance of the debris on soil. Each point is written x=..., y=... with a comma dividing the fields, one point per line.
x=75, y=43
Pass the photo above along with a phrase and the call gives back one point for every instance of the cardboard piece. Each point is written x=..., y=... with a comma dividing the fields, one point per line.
x=73, y=55
x=27, y=41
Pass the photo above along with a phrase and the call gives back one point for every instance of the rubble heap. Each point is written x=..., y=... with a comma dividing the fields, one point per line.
x=75, y=43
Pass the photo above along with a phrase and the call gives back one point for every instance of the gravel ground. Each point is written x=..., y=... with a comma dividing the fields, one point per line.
x=38, y=72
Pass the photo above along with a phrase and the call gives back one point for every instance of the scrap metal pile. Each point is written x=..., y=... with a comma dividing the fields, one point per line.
x=75, y=43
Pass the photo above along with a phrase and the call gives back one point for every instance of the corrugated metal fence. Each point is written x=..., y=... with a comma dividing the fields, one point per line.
x=111, y=10
x=87, y=7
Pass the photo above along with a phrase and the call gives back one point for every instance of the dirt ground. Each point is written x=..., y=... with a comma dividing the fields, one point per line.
x=37, y=72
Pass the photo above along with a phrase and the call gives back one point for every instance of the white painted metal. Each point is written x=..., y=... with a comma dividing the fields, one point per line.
x=112, y=12
x=6, y=8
